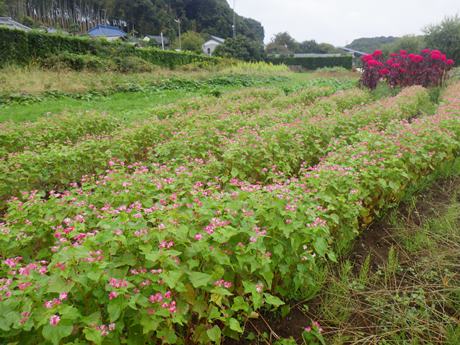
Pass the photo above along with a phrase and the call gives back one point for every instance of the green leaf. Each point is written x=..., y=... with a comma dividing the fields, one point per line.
x=214, y=334
x=149, y=323
x=115, y=308
x=235, y=325
x=171, y=278
x=240, y=304
x=273, y=300
x=320, y=246
x=57, y=284
x=93, y=335
x=56, y=333
x=199, y=279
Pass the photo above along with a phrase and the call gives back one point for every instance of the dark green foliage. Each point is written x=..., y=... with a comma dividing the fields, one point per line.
x=370, y=44
x=283, y=44
x=313, y=63
x=240, y=48
x=77, y=62
x=190, y=41
x=19, y=47
x=147, y=17
x=445, y=37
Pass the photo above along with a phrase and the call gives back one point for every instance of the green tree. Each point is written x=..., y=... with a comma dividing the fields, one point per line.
x=282, y=43
x=240, y=48
x=411, y=43
x=309, y=47
x=445, y=37
x=326, y=48
x=191, y=41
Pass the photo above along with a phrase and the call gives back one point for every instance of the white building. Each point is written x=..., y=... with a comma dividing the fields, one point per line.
x=211, y=45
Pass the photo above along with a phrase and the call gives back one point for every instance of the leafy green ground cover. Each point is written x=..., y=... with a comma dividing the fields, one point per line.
x=182, y=228
x=398, y=285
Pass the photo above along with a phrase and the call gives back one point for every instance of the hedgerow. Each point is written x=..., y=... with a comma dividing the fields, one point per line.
x=20, y=47
x=165, y=253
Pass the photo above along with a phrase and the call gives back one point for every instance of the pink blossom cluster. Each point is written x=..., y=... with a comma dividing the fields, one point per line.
x=223, y=283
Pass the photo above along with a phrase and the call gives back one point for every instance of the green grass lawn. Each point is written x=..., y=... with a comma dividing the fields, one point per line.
x=130, y=105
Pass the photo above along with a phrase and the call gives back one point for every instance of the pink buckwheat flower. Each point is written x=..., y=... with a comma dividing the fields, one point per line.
x=54, y=320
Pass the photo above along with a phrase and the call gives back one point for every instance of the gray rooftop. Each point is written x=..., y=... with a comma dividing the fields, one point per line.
x=12, y=24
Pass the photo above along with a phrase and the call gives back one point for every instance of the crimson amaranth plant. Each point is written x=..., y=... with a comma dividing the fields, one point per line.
x=429, y=69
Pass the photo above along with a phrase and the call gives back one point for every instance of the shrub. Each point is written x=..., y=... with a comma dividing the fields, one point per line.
x=132, y=64
x=76, y=62
x=429, y=69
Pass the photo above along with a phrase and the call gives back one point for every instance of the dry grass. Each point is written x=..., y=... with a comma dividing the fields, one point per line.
x=34, y=80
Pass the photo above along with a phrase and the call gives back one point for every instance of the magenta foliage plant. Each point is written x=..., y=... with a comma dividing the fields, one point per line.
x=428, y=69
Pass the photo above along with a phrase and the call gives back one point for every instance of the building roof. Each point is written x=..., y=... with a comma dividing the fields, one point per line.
x=217, y=39
x=157, y=38
x=106, y=31
x=357, y=52
x=12, y=24
x=316, y=55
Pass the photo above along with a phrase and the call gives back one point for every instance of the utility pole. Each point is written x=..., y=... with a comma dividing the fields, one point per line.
x=234, y=20
x=180, y=39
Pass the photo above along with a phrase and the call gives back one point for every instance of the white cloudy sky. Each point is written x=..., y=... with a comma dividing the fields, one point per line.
x=340, y=21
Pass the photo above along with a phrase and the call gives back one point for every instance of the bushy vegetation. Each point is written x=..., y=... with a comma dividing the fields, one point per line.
x=19, y=47
x=240, y=48
x=445, y=36
x=283, y=44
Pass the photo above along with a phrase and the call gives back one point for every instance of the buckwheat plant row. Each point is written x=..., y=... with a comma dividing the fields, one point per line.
x=162, y=253
x=57, y=165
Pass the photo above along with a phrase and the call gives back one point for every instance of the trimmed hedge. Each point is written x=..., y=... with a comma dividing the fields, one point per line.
x=315, y=62
x=20, y=47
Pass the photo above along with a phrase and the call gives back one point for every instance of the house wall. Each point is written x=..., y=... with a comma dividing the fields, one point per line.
x=209, y=47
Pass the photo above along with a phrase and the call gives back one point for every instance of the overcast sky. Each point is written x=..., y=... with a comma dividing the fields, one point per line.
x=340, y=21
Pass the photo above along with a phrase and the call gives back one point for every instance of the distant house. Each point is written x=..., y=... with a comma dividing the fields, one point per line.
x=157, y=40
x=111, y=33
x=12, y=24
x=211, y=45
x=356, y=53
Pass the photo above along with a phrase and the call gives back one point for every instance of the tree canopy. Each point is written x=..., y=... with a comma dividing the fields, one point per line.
x=191, y=41
x=282, y=43
x=213, y=17
x=240, y=48
x=410, y=43
x=445, y=37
